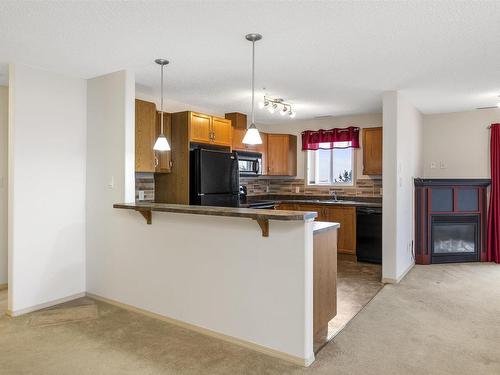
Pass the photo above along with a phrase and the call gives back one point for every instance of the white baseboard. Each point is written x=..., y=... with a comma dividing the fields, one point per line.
x=389, y=280
x=45, y=305
x=305, y=362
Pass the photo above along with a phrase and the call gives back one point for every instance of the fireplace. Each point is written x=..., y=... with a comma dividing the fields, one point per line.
x=455, y=238
x=450, y=220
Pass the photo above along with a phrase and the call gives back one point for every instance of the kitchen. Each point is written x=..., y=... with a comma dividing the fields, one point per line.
x=221, y=213
x=271, y=176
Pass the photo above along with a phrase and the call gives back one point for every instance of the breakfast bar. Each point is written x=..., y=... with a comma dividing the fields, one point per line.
x=218, y=274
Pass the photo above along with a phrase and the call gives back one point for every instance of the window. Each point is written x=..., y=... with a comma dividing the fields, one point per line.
x=331, y=167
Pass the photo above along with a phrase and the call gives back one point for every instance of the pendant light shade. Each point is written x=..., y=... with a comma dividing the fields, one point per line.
x=161, y=143
x=252, y=136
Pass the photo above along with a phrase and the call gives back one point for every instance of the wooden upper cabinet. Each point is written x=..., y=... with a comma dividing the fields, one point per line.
x=200, y=128
x=209, y=129
x=239, y=124
x=262, y=148
x=163, y=158
x=145, y=136
x=281, y=155
x=221, y=131
x=372, y=151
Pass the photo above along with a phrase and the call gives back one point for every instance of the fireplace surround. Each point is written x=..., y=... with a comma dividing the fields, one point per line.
x=450, y=220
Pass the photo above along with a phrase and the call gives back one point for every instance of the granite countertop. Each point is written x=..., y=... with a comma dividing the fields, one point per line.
x=319, y=200
x=321, y=226
x=262, y=214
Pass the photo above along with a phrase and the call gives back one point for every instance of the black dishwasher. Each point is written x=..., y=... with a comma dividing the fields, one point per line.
x=369, y=234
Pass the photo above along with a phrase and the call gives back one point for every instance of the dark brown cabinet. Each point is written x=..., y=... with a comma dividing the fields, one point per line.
x=372, y=151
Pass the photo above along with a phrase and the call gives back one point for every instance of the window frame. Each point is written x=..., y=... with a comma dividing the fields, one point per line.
x=352, y=184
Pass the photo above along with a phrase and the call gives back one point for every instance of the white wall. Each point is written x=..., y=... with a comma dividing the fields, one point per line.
x=458, y=143
x=4, y=125
x=297, y=127
x=186, y=267
x=47, y=140
x=402, y=154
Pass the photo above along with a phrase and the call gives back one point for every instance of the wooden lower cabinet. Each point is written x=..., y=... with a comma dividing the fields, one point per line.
x=345, y=216
x=324, y=283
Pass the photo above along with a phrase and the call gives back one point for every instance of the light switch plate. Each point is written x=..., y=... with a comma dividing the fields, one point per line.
x=433, y=165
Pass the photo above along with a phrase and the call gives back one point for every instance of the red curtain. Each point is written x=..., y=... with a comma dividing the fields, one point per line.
x=311, y=139
x=494, y=211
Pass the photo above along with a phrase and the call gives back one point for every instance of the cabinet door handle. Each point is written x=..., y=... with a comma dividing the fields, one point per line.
x=156, y=162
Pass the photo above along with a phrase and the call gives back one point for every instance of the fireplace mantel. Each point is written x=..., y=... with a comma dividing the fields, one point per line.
x=479, y=182
x=449, y=201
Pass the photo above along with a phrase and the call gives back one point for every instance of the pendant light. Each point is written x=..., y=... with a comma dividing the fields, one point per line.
x=161, y=143
x=252, y=136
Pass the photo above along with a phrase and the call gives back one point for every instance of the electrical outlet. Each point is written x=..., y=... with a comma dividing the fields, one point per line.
x=297, y=189
x=141, y=195
x=442, y=164
x=111, y=183
x=433, y=165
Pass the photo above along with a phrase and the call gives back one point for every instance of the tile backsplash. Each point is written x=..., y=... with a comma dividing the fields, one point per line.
x=258, y=186
x=145, y=182
x=363, y=187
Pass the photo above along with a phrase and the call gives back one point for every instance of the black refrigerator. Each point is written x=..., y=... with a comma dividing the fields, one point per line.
x=214, y=178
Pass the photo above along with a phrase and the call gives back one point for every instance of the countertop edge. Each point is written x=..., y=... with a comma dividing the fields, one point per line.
x=323, y=226
x=260, y=214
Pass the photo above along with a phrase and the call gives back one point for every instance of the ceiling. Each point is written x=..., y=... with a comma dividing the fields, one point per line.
x=326, y=58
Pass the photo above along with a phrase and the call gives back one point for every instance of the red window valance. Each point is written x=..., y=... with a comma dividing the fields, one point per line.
x=326, y=139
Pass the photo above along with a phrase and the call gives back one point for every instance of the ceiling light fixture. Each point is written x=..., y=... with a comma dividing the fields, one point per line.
x=278, y=104
x=252, y=136
x=161, y=143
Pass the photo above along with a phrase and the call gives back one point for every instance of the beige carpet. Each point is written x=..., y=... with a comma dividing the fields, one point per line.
x=439, y=320
x=74, y=311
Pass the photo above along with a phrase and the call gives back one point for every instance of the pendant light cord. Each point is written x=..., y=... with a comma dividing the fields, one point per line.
x=253, y=81
x=161, y=102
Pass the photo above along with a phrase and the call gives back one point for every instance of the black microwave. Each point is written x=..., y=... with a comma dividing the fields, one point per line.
x=249, y=163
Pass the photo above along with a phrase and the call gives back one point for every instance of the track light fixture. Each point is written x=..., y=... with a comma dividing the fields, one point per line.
x=277, y=104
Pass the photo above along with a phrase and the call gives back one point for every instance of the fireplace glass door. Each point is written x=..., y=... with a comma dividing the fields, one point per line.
x=454, y=239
